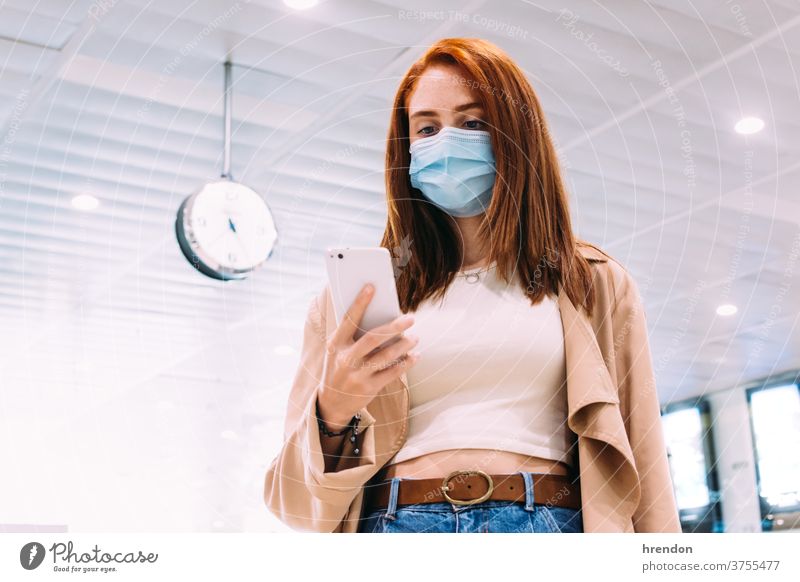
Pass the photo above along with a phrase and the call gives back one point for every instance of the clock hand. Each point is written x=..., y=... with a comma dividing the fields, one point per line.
x=241, y=244
x=219, y=236
x=231, y=225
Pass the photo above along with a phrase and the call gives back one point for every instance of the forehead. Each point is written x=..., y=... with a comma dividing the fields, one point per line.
x=441, y=87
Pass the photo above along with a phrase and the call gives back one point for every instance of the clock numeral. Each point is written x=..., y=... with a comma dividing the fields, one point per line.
x=201, y=221
x=232, y=257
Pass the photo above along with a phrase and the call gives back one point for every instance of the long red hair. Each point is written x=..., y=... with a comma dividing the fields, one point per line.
x=527, y=224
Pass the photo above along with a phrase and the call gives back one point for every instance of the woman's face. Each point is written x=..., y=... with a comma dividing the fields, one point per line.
x=443, y=97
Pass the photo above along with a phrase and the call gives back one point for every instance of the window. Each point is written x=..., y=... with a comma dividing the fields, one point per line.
x=775, y=417
x=689, y=446
x=684, y=435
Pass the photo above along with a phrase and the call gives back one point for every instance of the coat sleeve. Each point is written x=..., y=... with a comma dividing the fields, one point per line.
x=297, y=489
x=657, y=510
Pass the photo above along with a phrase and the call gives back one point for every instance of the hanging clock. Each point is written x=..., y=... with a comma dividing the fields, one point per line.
x=226, y=229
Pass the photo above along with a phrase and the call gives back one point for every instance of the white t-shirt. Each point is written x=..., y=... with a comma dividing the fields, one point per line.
x=492, y=372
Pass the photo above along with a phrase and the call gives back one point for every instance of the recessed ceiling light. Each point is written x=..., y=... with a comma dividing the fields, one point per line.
x=85, y=202
x=749, y=125
x=229, y=435
x=727, y=309
x=300, y=4
x=283, y=350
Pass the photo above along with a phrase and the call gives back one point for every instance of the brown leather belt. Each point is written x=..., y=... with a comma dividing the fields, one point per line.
x=470, y=487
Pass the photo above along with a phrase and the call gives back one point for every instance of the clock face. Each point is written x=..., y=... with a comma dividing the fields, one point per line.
x=227, y=228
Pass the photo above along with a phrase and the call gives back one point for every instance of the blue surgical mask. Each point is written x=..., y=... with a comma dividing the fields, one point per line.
x=455, y=170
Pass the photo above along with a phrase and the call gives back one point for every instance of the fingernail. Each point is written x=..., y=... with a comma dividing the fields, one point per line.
x=367, y=289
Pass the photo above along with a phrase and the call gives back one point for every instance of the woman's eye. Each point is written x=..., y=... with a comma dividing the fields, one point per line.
x=427, y=130
x=474, y=124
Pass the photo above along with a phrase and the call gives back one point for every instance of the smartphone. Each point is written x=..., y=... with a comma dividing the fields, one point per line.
x=349, y=269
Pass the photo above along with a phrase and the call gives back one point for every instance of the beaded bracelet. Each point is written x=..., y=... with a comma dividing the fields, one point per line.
x=353, y=424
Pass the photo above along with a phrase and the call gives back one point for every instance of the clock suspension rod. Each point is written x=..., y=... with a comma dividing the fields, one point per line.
x=226, y=161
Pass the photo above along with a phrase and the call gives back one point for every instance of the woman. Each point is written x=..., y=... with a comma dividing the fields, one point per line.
x=525, y=399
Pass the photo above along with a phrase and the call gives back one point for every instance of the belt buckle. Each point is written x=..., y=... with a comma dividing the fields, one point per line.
x=445, y=488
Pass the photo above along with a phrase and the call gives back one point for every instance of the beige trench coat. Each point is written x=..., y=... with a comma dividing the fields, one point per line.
x=613, y=408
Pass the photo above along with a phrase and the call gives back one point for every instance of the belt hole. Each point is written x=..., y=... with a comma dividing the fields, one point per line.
x=469, y=486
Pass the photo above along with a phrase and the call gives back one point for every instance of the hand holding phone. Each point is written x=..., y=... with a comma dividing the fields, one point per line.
x=349, y=269
x=365, y=354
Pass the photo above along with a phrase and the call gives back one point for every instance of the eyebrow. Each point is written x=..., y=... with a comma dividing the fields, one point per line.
x=432, y=113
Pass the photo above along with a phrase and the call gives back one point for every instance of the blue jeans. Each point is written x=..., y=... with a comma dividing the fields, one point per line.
x=488, y=516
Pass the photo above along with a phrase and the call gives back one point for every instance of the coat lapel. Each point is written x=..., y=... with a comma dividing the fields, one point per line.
x=609, y=481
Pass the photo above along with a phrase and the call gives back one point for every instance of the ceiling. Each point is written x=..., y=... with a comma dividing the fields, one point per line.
x=120, y=359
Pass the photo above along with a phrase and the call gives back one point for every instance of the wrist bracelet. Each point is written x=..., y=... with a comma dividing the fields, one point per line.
x=353, y=424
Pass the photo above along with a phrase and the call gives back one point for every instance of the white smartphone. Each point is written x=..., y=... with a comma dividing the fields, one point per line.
x=349, y=269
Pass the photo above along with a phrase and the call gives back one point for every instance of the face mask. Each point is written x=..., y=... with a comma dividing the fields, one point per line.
x=455, y=170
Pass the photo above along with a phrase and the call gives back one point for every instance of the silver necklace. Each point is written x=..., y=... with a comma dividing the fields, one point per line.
x=474, y=277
